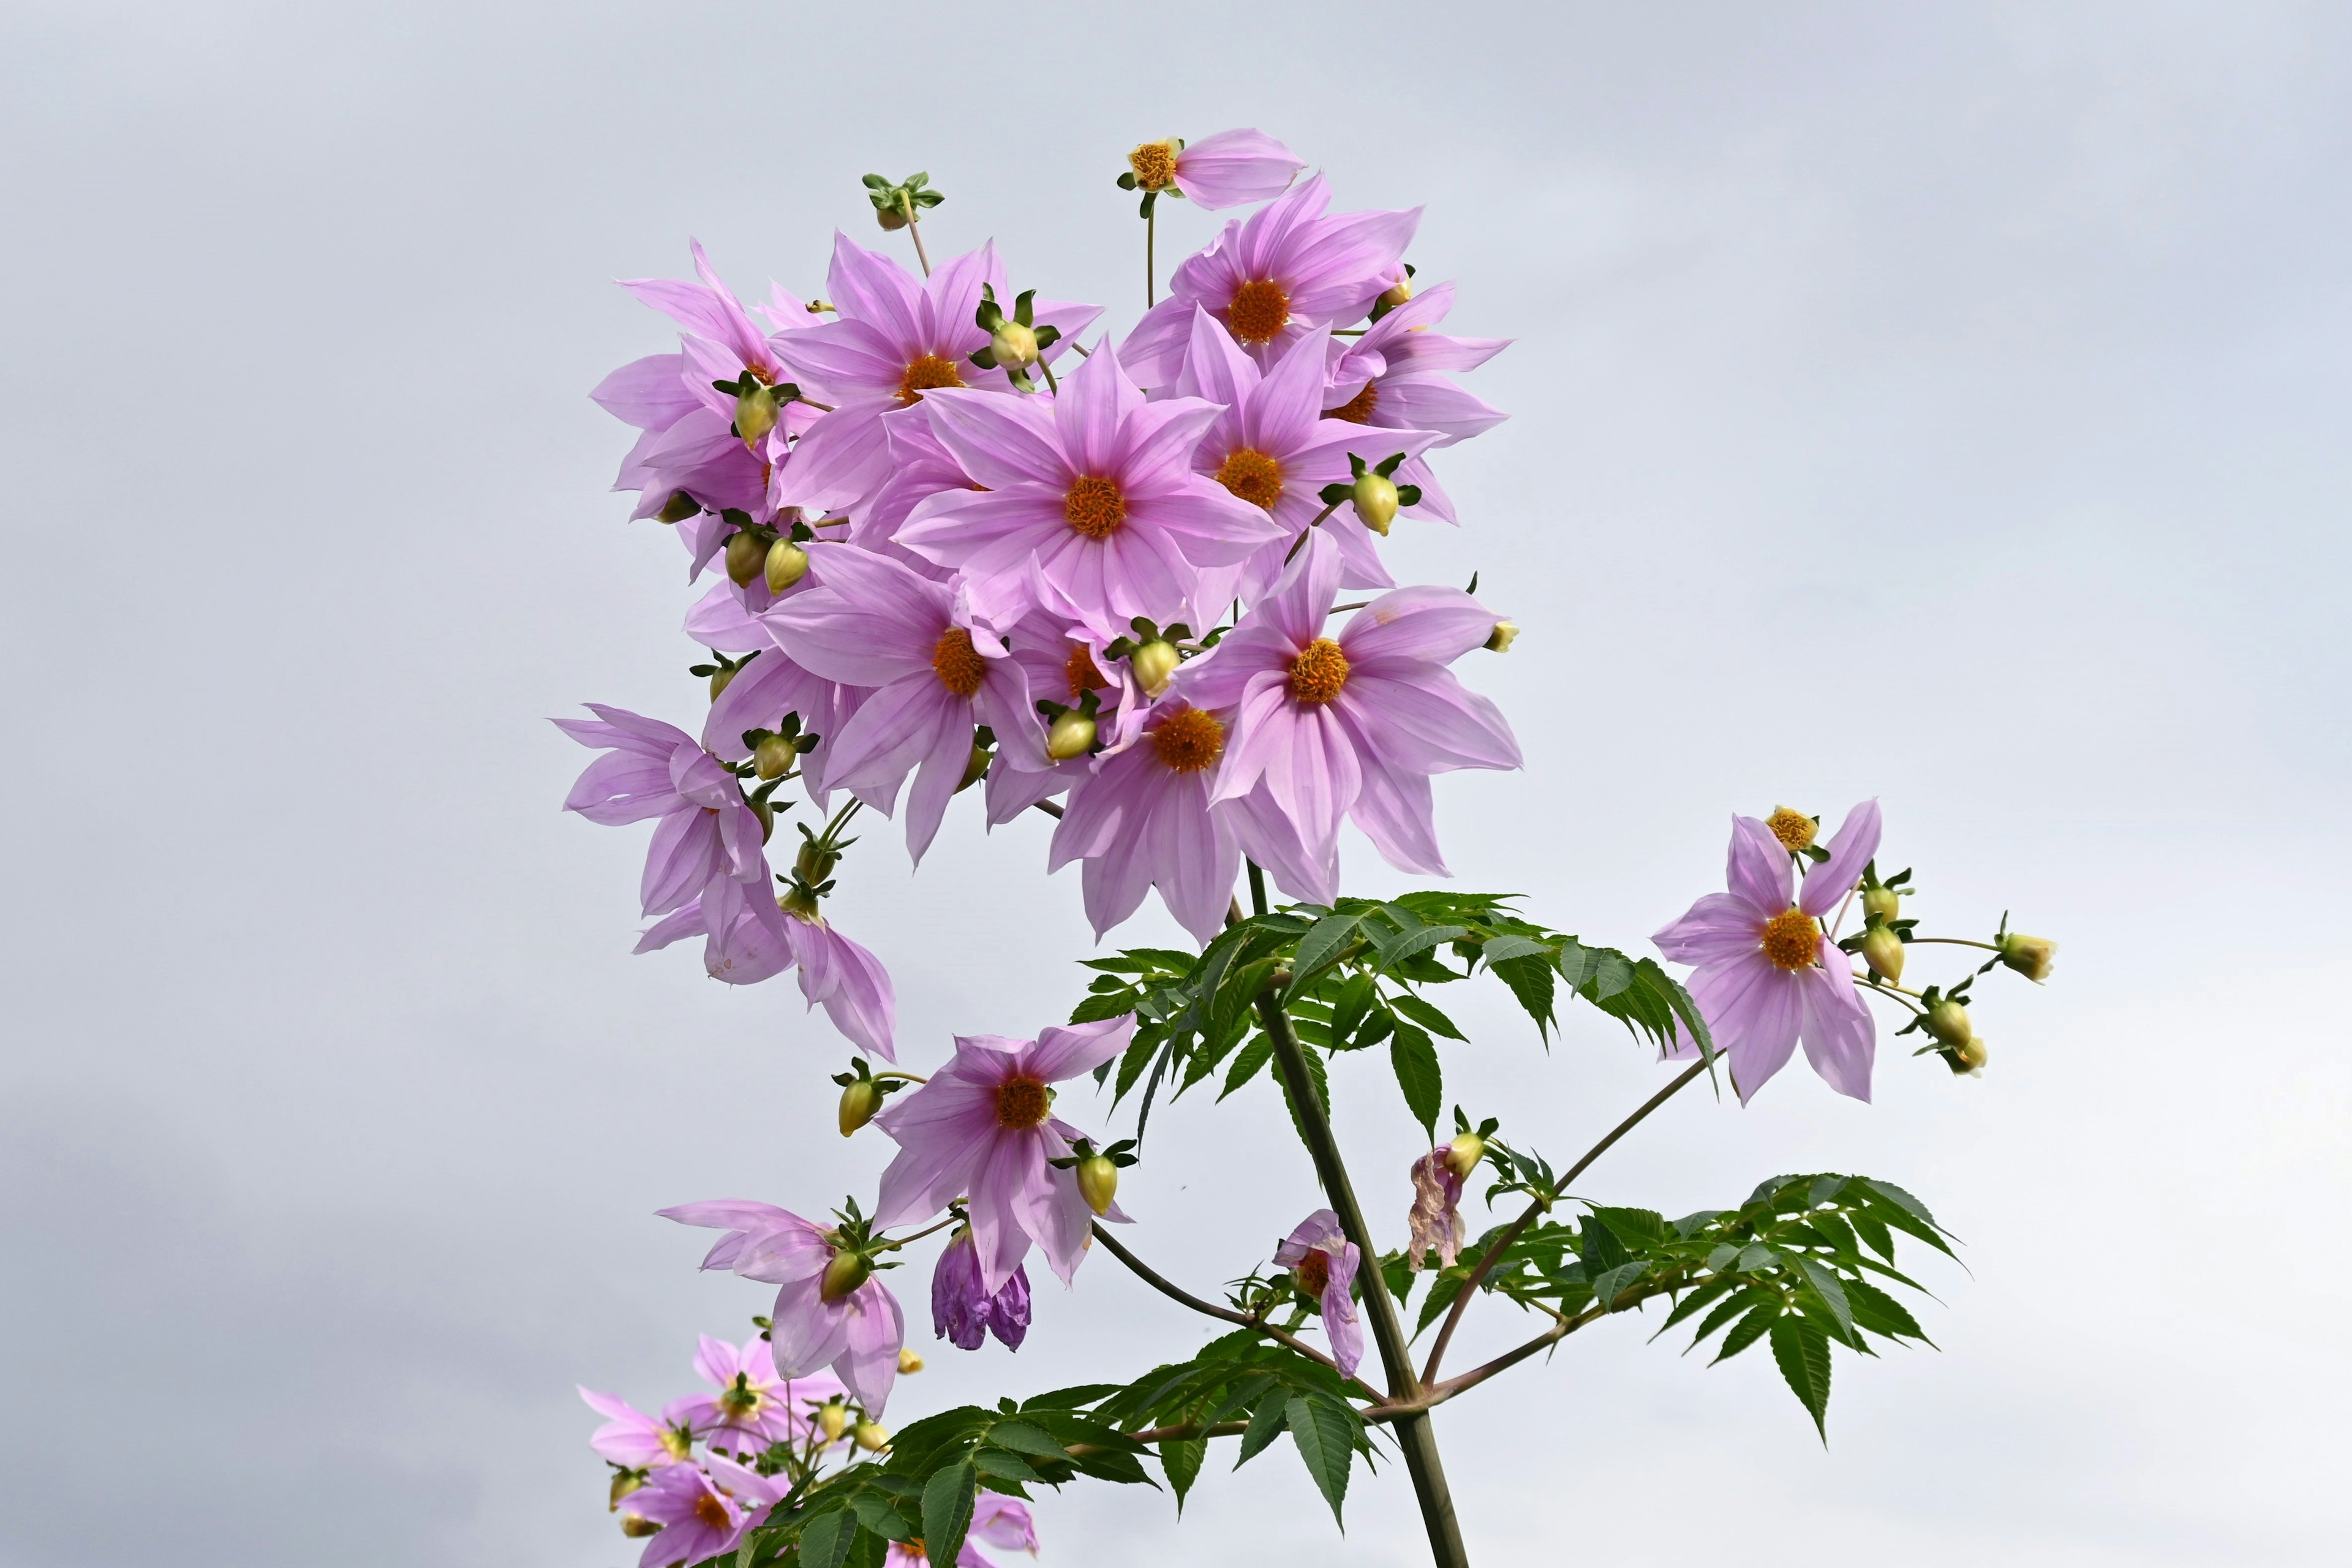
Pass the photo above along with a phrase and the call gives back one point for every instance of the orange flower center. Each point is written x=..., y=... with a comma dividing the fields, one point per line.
x=1793, y=828
x=1358, y=410
x=1094, y=506
x=1792, y=939
x=712, y=1512
x=956, y=663
x=1021, y=1102
x=1080, y=671
x=1189, y=741
x=1154, y=164
x=1253, y=476
x=1318, y=672
x=1261, y=307
x=1314, y=1272
x=927, y=374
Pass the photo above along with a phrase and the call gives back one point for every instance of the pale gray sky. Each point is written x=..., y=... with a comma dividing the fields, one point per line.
x=1945, y=404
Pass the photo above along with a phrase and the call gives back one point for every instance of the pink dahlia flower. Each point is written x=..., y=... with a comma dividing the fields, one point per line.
x=1143, y=820
x=898, y=338
x=1767, y=975
x=1220, y=170
x=705, y=833
x=748, y=1412
x=1354, y=725
x=701, y=1509
x=635, y=1440
x=1091, y=508
x=1324, y=1263
x=935, y=674
x=858, y=1335
x=1273, y=277
x=984, y=1127
x=837, y=974
x=1273, y=447
x=1393, y=378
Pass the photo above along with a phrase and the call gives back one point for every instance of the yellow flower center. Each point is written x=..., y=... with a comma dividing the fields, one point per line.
x=1318, y=672
x=1314, y=1272
x=927, y=374
x=956, y=663
x=1094, y=506
x=739, y=1399
x=1253, y=476
x=676, y=1444
x=710, y=1510
x=1793, y=828
x=1080, y=671
x=1021, y=1102
x=1358, y=410
x=1261, y=308
x=1189, y=741
x=1792, y=939
x=1154, y=164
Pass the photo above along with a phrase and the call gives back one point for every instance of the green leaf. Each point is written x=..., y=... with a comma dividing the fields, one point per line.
x=947, y=1510
x=1249, y=1064
x=1328, y=1445
x=999, y=1464
x=1873, y=1231
x=1749, y=1330
x=1403, y=946
x=1349, y=1008
x=1181, y=1457
x=1613, y=1284
x=1427, y=1016
x=1023, y=1438
x=1507, y=947
x=1319, y=947
x=1098, y=1006
x=1693, y=1300
x=879, y=1517
x=1530, y=980
x=1803, y=1352
x=1881, y=1313
x=1746, y=1300
x=1824, y=1282
x=1414, y=1056
x=1319, y=1080
x=824, y=1539
x=1266, y=1426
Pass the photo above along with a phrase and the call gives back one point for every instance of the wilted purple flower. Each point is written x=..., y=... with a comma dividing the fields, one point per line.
x=1271, y=277
x=936, y=674
x=707, y=831
x=701, y=1509
x=897, y=339
x=1768, y=975
x=1435, y=1220
x=1144, y=820
x=983, y=1127
x=635, y=1440
x=1324, y=1263
x=1351, y=726
x=964, y=1310
x=1091, y=510
x=858, y=1335
x=836, y=973
x=1220, y=170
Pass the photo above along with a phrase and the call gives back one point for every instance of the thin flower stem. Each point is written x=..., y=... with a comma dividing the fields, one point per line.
x=1478, y=1274
x=1956, y=942
x=1150, y=270
x=909, y=1076
x=1892, y=991
x=1051, y=384
x=1047, y=806
x=915, y=231
x=1300, y=543
x=918, y=1235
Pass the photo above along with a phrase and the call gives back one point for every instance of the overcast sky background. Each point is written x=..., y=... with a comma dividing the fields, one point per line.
x=1945, y=403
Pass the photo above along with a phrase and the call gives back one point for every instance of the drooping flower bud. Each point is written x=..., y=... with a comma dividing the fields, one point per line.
x=975, y=767
x=859, y=1102
x=678, y=508
x=1072, y=734
x=1882, y=949
x=787, y=564
x=1397, y=293
x=637, y=1526
x=1014, y=344
x=1097, y=1182
x=1881, y=904
x=1968, y=1058
x=872, y=1437
x=814, y=865
x=845, y=1273
x=832, y=1419
x=1154, y=664
x=909, y=1362
x=747, y=556
x=2031, y=956
x=755, y=411
x=719, y=679
x=1506, y=633
x=773, y=757
x=890, y=218
x=1949, y=1021
x=1462, y=1155
x=1375, y=499
x=624, y=1483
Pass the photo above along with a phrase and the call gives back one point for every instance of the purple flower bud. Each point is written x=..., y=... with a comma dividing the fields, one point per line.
x=963, y=1313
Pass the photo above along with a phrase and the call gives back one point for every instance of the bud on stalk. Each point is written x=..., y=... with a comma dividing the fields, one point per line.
x=624, y=1483
x=747, y=556
x=787, y=564
x=773, y=756
x=1071, y=735
x=1462, y=1155
x=845, y=1273
x=909, y=1364
x=2030, y=956
x=872, y=1437
x=637, y=1526
x=1506, y=633
x=755, y=412
x=1012, y=345
x=678, y=508
x=859, y=1102
x=1154, y=665
x=1097, y=1182
x=1881, y=904
x=832, y=1419
x=1883, y=951
x=1375, y=499
x=1948, y=1022
x=1969, y=1059
x=1397, y=293
x=719, y=679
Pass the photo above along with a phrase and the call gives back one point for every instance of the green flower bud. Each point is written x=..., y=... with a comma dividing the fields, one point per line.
x=624, y=1483
x=872, y=1437
x=1506, y=633
x=1968, y=1058
x=799, y=903
x=1015, y=345
x=1097, y=1182
x=719, y=679
x=813, y=865
x=976, y=767
x=1397, y=293
x=787, y=564
x=909, y=1364
x=890, y=218
x=859, y=1102
x=747, y=556
x=832, y=1419
x=678, y=508
x=845, y=1273
x=1881, y=904
x=1883, y=951
x=1154, y=665
x=637, y=1526
x=755, y=411
x=1375, y=499
x=1462, y=1155
x=1070, y=736
x=1948, y=1022
x=2031, y=956
x=773, y=756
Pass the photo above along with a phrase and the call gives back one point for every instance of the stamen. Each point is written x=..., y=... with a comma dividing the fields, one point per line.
x=956, y=663
x=1189, y=741
x=1792, y=939
x=710, y=1510
x=1021, y=1102
x=927, y=374
x=1358, y=410
x=1314, y=1272
x=1318, y=672
x=1080, y=671
x=1793, y=828
x=1094, y=506
x=1154, y=164
x=1253, y=476
x=1260, y=310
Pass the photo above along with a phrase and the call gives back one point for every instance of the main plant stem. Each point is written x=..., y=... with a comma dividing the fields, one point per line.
x=1414, y=1435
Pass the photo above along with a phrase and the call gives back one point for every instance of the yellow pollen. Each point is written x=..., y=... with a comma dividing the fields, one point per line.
x=1080, y=671
x=1793, y=828
x=1094, y=506
x=1314, y=1272
x=926, y=374
x=1253, y=476
x=1792, y=939
x=1189, y=741
x=1358, y=410
x=675, y=1442
x=1154, y=164
x=1318, y=672
x=1021, y=1102
x=712, y=1511
x=956, y=663
x=1261, y=308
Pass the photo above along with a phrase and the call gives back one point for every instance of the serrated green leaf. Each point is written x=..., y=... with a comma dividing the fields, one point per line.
x=1746, y=1300
x=1427, y=1016
x=1803, y=1352
x=877, y=1514
x=999, y=1464
x=1326, y=1438
x=947, y=1510
x=1349, y=1008
x=1249, y=1064
x=1405, y=945
x=825, y=1539
x=1825, y=1284
x=1319, y=947
x=1693, y=1300
x=1530, y=980
x=1910, y=1205
x=1614, y=1283
x=1415, y=1057
x=1881, y=1313
x=1266, y=1426
x=1181, y=1457
x=1023, y=1439
x=1749, y=1330
x=1874, y=1233
x=1097, y=1005
x=1504, y=947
